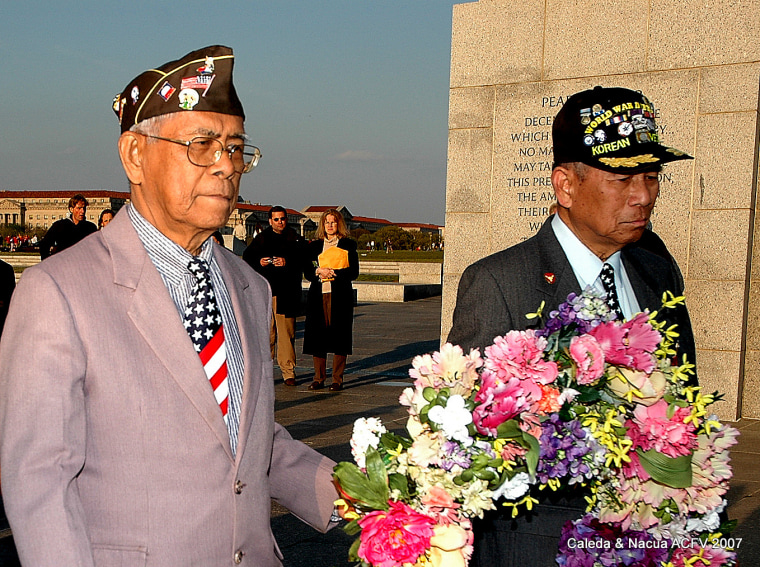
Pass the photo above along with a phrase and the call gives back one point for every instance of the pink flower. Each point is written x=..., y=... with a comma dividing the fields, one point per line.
x=587, y=354
x=709, y=556
x=512, y=378
x=447, y=368
x=394, y=537
x=519, y=354
x=630, y=344
x=437, y=497
x=652, y=429
x=501, y=401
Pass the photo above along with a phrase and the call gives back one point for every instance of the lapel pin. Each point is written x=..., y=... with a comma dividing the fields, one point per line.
x=550, y=277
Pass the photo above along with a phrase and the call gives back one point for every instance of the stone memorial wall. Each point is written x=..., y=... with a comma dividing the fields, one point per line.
x=513, y=64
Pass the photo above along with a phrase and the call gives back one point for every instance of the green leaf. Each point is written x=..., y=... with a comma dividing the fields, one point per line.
x=509, y=430
x=670, y=471
x=392, y=441
x=531, y=457
x=353, y=551
x=399, y=482
x=352, y=528
x=376, y=468
x=587, y=395
x=429, y=394
x=368, y=490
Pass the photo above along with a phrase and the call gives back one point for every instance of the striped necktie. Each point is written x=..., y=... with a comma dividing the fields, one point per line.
x=608, y=282
x=203, y=323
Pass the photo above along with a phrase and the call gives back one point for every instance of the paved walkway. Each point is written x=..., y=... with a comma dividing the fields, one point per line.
x=387, y=336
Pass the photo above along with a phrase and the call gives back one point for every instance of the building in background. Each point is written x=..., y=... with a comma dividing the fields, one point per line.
x=40, y=209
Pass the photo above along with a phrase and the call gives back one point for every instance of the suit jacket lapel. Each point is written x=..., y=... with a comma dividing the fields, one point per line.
x=237, y=285
x=646, y=293
x=558, y=279
x=155, y=316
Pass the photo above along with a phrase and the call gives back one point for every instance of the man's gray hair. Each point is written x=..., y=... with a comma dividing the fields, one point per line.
x=150, y=126
x=580, y=168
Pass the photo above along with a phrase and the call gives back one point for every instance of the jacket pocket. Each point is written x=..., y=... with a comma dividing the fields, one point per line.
x=119, y=555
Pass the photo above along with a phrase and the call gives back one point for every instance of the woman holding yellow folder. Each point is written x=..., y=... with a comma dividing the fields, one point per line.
x=333, y=265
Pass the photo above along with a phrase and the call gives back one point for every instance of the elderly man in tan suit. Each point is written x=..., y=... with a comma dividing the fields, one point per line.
x=136, y=402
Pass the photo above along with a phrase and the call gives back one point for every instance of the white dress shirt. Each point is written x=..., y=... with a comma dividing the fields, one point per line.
x=587, y=267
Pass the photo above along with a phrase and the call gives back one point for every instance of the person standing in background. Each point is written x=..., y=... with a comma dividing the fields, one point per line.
x=333, y=264
x=67, y=232
x=277, y=253
x=106, y=216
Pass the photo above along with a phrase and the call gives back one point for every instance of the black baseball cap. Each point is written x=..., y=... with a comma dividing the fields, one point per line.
x=612, y=129
x=199, y=81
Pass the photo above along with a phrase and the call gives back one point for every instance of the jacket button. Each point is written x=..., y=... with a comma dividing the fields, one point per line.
x=238, y=558
x=239, y=485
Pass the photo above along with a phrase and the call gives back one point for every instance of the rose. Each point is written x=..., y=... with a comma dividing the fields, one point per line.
x=394, y=537
x=447, y=546
x=645, y=389
x=588, y=357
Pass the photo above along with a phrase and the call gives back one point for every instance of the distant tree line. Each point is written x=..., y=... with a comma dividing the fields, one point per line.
x=397, y=237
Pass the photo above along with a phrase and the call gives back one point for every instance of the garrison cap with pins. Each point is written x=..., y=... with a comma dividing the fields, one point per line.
x=612, y=129
x=199, y=81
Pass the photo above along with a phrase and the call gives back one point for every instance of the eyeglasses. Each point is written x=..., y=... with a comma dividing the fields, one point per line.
x=203, y=152
x=279, y=219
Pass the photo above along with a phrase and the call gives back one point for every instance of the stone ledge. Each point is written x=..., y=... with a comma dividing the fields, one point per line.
x=388, y=292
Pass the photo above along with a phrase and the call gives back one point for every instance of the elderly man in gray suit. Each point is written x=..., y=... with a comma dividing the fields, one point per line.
x=136, y=417
x=607, y=157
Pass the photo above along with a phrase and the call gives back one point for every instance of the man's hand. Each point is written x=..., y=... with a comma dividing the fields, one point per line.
x=278, y=262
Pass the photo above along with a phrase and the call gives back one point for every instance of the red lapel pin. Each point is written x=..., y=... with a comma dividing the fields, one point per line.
x=549, y=277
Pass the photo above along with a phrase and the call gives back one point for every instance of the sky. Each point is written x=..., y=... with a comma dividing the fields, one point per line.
x=348, y=100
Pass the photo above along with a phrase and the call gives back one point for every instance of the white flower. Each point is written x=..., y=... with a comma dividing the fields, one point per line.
x=453, y=419
x=567, y=395
x=513, y=488
x=707, y=523
x=476, y=498
x=367, y=432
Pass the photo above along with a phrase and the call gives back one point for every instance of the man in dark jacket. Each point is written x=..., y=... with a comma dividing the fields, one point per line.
x=607, y=157
x=277, y=254
x=67, y=232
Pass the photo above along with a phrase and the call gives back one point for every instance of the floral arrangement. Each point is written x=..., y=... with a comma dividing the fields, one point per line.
x=589, y=402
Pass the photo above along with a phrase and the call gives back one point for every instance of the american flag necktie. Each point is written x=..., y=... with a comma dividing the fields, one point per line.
x=608, y=282
x=203, y=323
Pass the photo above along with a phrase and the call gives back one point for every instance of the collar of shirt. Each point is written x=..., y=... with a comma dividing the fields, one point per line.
x=587, y=267
x=170, y=258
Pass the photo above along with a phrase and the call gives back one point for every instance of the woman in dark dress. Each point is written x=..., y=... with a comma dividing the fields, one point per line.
x=332, y=265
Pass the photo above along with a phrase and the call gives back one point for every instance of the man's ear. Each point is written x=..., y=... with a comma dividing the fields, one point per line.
x=563, y=181
x=130, y=153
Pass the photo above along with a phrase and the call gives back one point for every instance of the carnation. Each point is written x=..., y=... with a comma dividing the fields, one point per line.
x=631, y=344
x=449, y=368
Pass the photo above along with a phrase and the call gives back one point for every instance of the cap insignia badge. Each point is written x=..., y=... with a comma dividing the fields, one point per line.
x=634, y=161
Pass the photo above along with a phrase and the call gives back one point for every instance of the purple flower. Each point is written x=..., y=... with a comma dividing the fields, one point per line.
x=587, y=542
x=454, y=454
x=584, y=311
x=566, y=451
